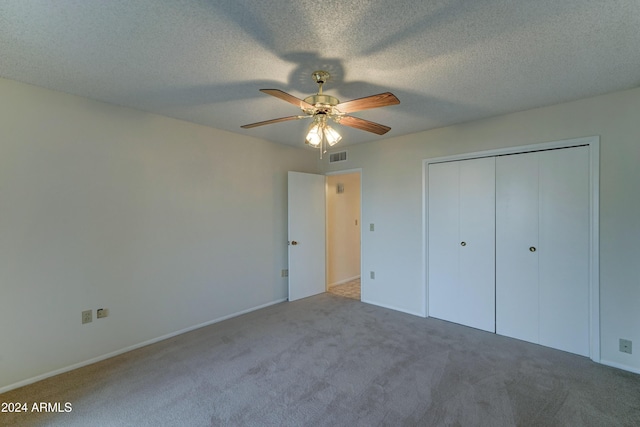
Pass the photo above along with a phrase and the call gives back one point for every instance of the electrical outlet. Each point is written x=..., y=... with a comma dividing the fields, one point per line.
x=102, y=313
x=625, y=346
x=285, y=273
x=372, y=227
x=87, y=317
x=372, y=274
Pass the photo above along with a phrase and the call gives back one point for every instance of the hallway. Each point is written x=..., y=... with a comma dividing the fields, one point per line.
x=350, y=289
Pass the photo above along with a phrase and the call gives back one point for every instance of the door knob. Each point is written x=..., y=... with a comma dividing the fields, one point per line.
x=463, y=243
x=293, y=242
x=532, y=249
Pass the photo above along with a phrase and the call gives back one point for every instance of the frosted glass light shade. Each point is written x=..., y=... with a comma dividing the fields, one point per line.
x=314, y=137
x=332, y=135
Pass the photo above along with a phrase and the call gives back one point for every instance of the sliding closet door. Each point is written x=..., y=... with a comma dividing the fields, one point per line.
x=462, y=242
x=542, y=248
x=564, y=249
x=517, y=302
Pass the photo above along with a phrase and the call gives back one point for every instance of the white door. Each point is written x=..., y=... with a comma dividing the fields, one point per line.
x=306, y=211
x=444, y=217
x=542, y=248
x=517, y=302
x=461, y=242
x=564, y=249
x=477, y=233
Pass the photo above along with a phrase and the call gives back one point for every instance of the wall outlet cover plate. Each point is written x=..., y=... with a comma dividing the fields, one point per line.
x=625, y=346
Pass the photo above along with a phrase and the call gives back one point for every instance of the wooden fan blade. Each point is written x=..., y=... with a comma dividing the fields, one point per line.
x=286, y=97
x=373, y=101
x=362, y=124
x=268, y=122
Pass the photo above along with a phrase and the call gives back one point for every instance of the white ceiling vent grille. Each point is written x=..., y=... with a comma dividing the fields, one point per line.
x=338, y=157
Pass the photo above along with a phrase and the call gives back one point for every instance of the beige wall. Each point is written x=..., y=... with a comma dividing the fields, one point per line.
x=343, y=228
x=167, y=224
x=392, y=199
x=171, y=225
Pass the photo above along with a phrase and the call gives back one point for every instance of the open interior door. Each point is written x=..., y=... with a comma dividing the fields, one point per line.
x=306, y=209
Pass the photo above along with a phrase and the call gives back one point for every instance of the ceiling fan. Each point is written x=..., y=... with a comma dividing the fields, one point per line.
x=322, y=107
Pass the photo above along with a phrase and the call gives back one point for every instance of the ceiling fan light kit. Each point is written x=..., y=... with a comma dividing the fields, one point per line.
x=321, y=107
x=319, y=133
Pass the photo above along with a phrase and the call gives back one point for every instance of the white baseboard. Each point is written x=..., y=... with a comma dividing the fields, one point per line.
x=394, y=308
x=620, y=366
x=340, y=282
x=133, y=347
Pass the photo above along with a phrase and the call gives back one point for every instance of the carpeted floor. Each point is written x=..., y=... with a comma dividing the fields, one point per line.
x=331, y=361
x=350, y=289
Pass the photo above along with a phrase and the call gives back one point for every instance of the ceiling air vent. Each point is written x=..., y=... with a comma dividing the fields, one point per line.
x=338, y=157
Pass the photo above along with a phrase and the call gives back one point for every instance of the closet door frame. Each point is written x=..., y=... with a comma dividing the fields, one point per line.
x=593, y=142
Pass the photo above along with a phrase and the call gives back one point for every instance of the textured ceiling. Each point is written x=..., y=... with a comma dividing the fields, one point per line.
x=448, y=61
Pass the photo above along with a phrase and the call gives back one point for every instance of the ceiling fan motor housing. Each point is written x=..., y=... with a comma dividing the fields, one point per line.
x=322, y=102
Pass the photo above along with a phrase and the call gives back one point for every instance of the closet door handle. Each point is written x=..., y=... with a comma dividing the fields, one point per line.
x=463, y=243
x=532, y=249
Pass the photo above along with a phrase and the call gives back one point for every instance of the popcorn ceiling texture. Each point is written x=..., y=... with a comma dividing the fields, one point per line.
x=448, y=61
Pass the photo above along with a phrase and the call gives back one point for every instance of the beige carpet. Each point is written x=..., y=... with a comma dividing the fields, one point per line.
x=332, y=361
x=350, y=289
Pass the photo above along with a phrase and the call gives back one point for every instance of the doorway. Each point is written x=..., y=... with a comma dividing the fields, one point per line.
x=343, y=205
